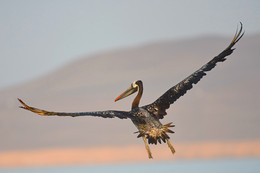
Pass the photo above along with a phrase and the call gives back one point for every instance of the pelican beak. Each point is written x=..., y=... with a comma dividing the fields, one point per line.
x=128, y=92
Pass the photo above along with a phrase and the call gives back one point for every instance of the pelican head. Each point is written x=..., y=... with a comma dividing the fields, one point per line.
x=132, y=89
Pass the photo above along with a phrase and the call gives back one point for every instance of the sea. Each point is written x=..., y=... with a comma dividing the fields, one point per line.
x=226, y=165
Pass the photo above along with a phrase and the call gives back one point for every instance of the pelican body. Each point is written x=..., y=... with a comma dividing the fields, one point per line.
x=147, y=122
x=147, y=118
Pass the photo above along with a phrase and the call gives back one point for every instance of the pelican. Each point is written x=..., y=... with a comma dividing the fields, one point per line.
x=147, y=118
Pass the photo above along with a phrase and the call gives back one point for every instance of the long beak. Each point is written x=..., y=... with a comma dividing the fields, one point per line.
x=128, y=92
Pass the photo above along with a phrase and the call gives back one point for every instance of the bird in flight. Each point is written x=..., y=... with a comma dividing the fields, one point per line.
x=147, y=118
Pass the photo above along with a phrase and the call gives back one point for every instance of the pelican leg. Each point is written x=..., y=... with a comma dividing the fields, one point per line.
x=170, y=146
x=147, y=148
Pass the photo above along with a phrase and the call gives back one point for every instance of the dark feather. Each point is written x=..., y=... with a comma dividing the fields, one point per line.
x=158, y=108
x=103, y=114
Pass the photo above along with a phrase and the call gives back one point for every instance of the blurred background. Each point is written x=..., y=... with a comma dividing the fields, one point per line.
x=80, y=55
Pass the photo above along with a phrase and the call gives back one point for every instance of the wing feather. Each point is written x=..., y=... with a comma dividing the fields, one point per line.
x=103, y=114
x=158, y=108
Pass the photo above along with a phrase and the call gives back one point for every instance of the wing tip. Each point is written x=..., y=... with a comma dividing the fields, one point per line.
x=25, y=106
x=238, y=35
x=32, y=109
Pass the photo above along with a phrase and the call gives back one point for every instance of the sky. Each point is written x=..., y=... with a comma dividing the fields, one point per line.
x=37, y=37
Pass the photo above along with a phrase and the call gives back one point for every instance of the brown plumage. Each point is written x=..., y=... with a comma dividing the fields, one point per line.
x=146, y=118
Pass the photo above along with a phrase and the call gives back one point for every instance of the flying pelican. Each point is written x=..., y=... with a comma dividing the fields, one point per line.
x=147, y=118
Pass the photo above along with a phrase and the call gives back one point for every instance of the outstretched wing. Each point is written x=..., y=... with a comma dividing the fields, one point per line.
x=159, y=107
x=103, y=114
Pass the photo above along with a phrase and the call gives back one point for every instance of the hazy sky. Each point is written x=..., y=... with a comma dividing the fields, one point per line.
x=36, y=37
